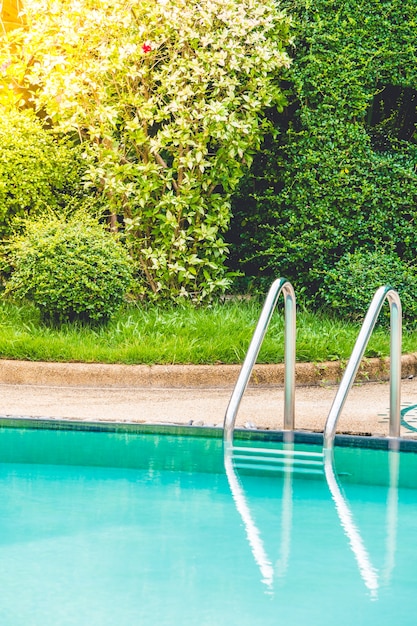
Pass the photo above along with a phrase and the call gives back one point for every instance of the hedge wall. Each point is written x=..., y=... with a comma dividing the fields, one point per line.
x=340, y=174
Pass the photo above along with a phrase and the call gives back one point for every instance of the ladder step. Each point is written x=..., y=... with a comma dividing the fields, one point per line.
x=288, y=462
x=277, y=460
x=278, y=452
x=279, y=468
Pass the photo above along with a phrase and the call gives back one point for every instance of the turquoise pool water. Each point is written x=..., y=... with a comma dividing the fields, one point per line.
x=126, y=529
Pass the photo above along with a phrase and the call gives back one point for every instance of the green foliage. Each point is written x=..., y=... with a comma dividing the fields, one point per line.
x=70, y=269
x=37, y=170
x=173, y=333
x=349, y=286
x=340, y=174
x=170, y=98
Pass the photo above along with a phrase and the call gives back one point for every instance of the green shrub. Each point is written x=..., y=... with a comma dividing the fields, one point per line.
x=70, y=269
x=37, y=170
x=170, y=97
x=325, y=211
x=339, y=175
x=349, y=287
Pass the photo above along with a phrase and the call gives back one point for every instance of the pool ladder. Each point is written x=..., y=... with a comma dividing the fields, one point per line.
x=246, y=457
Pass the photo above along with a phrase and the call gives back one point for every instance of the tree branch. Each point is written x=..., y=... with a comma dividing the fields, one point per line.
x=161, y=161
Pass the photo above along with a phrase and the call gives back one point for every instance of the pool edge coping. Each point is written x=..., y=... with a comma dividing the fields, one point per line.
x=190, y=376
x=299, y=437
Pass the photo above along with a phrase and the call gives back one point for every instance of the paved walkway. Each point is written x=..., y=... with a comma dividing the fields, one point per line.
x=184, y=395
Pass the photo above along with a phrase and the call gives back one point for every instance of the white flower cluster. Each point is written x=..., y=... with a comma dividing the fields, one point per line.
x=171, y=95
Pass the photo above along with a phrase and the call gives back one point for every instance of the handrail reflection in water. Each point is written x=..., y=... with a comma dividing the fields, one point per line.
x=368, y=572
x=252, y=532
x=281, y=565
x=392, y=514
x=366, y=569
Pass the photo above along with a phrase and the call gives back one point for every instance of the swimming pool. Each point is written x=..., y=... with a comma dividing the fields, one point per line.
x=126, y=526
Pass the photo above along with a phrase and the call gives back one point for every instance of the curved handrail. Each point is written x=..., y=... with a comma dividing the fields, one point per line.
x=278, y=286
x=383, y=293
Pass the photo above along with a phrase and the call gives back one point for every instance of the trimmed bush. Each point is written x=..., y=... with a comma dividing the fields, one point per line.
x=340, y=174
x=349, y=287
x=72, y=270
x=37, y=170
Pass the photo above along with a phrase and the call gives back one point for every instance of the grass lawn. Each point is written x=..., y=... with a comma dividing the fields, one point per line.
x=182, y=334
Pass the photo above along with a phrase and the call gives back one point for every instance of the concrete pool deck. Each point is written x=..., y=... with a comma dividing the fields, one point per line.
x=199, y=395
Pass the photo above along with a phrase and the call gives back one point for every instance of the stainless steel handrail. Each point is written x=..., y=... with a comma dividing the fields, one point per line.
x=383, y=293
x=278, y=286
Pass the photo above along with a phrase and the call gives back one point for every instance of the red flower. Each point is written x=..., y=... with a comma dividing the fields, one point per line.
x=146, y=47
